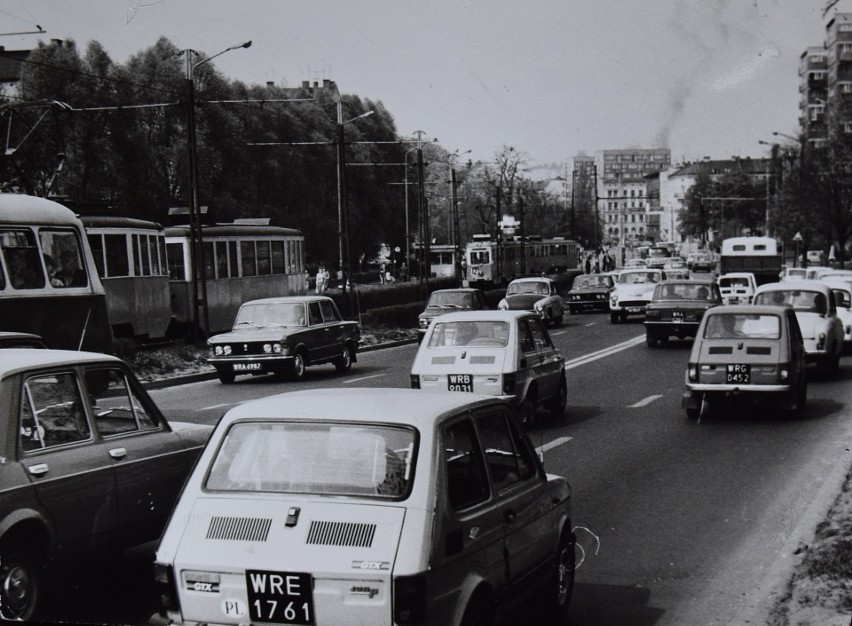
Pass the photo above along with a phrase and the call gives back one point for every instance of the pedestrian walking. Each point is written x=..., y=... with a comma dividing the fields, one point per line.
x=322, y=277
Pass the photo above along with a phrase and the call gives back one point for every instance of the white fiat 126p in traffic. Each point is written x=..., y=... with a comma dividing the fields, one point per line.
x=367, y=506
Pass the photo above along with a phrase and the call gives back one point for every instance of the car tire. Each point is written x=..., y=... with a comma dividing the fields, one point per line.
x=557, y=321
x=557, y=404
x=801, y=400
x=613, y=318
x=297, y=369
x=693, y=414
x=650, y=338
x=20, y=585
x=226, y=378
x=343, y=363
x=479, y=612
x=529, y=408
x=572, y=311
x=562, y=583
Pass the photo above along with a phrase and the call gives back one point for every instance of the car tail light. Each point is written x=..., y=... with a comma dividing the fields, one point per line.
x=164, y=579
x=508, y=384
x=415, y=381
x=652, y=315
x=821, y=342
x=692, y=372
x=784, y=372
x=409, y=599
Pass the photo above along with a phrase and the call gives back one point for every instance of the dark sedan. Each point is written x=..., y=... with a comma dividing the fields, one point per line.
x=87, y=464
x=677, y=308
x=590, y=292
x=283, y=336
x=446, y=301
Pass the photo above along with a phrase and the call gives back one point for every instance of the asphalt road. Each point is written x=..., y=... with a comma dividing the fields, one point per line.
x=681, y=522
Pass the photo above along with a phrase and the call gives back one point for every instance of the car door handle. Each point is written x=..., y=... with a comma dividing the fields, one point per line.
x=118, y=453
x=38, y=469
x=510, y=517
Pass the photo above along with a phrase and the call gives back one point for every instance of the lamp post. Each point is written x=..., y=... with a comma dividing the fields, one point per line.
x=196, y=241
x=455, y=232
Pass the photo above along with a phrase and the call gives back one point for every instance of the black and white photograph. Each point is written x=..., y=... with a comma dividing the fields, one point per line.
x=436, y=313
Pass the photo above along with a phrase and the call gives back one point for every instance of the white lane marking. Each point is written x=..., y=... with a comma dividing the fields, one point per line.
x=590, y=324
x=553, y=444
x=561, y=332
x=355, y=380
x=594, y=356
x=214, y=406
x=645, y=401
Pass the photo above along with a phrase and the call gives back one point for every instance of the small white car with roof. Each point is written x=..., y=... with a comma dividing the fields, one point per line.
x=498, y=353
x=366, y=506
x=842, y=290
x=737, y=287
x=634, y=289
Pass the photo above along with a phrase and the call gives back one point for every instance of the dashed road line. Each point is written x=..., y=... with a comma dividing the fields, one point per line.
x=553, y=444
x=645, y=401
x=594, y=356
x=355, y=380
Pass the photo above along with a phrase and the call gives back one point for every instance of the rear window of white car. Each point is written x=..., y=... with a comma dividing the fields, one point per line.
x=470, y=334
x=740, y=325
x=316, y=458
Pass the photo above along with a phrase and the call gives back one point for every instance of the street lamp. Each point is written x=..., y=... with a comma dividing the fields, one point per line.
x=342, y=215
x=196, y=247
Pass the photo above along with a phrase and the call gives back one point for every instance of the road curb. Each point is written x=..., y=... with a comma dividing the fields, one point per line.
x=205, y=376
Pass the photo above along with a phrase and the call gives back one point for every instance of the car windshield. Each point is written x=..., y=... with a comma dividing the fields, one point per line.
x=315, y=457
x=633, y=278
x=683, y=291
x=582, y=282
x=469, y=333
x=450, y=300
x=727, y=283
x=796, y=273
x=268, y=314
x=739, y=325
x=842, y=297
x=800, y=299
x=536, y=287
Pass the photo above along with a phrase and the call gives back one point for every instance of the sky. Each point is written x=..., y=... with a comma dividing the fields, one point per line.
x=550, y=78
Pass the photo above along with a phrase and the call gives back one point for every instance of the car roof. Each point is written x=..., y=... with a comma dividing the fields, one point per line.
x=737, y=275
x=13, y=360
x=402, y=406
x=483, y=316
x=790, y=285
x=286, y=299
x=532, y=279
x=457, y=290
x=748, y=309
x=689, y=281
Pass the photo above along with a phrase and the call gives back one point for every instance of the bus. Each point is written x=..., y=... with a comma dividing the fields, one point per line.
x=130, y=255
x=489, y=262
x=762, y=256
x=49, y=284
x=243, y=260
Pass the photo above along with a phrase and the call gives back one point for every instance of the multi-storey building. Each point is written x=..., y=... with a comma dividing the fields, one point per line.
x=813, y=95
x=629, y=213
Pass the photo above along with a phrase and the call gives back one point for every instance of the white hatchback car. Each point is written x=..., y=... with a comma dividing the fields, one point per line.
x=366, y=506
x=737, y=287
x=633, y=290
x=497, y=353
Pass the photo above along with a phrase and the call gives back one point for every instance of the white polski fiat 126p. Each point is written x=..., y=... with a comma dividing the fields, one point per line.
x=366, y=506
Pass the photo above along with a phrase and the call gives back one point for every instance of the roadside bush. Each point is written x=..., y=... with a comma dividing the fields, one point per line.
x=395, y=316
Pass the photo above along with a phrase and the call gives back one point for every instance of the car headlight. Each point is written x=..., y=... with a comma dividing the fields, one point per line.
x=503, y=306
x=267, y=348
x=226, y=350
x=423, y=322
x=276, y=348
x=217, y=350
x=538, y=306
x=613, y=300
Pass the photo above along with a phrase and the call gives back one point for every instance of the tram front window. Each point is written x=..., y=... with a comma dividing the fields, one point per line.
x=21, y=258
x=479, y=257
x=61, y=250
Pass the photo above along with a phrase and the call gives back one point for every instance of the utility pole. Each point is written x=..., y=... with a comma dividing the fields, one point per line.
x=523, y=235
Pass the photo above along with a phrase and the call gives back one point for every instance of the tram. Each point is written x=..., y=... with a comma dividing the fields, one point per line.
x=243, y=260
x=492, y=262
x=130, y=255
x=49, y=284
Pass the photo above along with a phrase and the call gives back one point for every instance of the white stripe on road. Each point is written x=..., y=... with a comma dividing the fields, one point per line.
x=594, y=356
x=355, y=380
x=561, y=332
x=553, y=444
x=590, y=324
x=645, y=402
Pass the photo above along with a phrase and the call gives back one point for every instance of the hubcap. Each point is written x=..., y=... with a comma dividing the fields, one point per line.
x=16, y=589
x=563, y=575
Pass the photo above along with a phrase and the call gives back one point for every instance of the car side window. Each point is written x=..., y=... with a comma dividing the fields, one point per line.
x=541, y=339
x=329, y=311
x=507, y=463
x=52, y=412
x=116, y=407
x=314, y=314
x=467, y=483
x=525, y=338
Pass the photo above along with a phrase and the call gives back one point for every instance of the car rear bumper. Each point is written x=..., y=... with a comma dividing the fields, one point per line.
x=694, y=393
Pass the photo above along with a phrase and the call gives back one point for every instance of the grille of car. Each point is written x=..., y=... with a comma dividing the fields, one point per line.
x=626, y=303
x=481, y=360
x=443, y=360
x=246, y=348
x=239, y=528
x=349, y=534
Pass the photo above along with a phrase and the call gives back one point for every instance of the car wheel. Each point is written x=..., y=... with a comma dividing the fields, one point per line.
x=226, y=378
x=562, y=584
x=19, y=586
x=693, y=414
x=650, y=338
x=478, y=613
x=557, y=321
x=801, y=400
x=557, y=403
x=529, y=408
x=297, y=371
x=572, y=311
x=613, y=318
x=343, y=363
